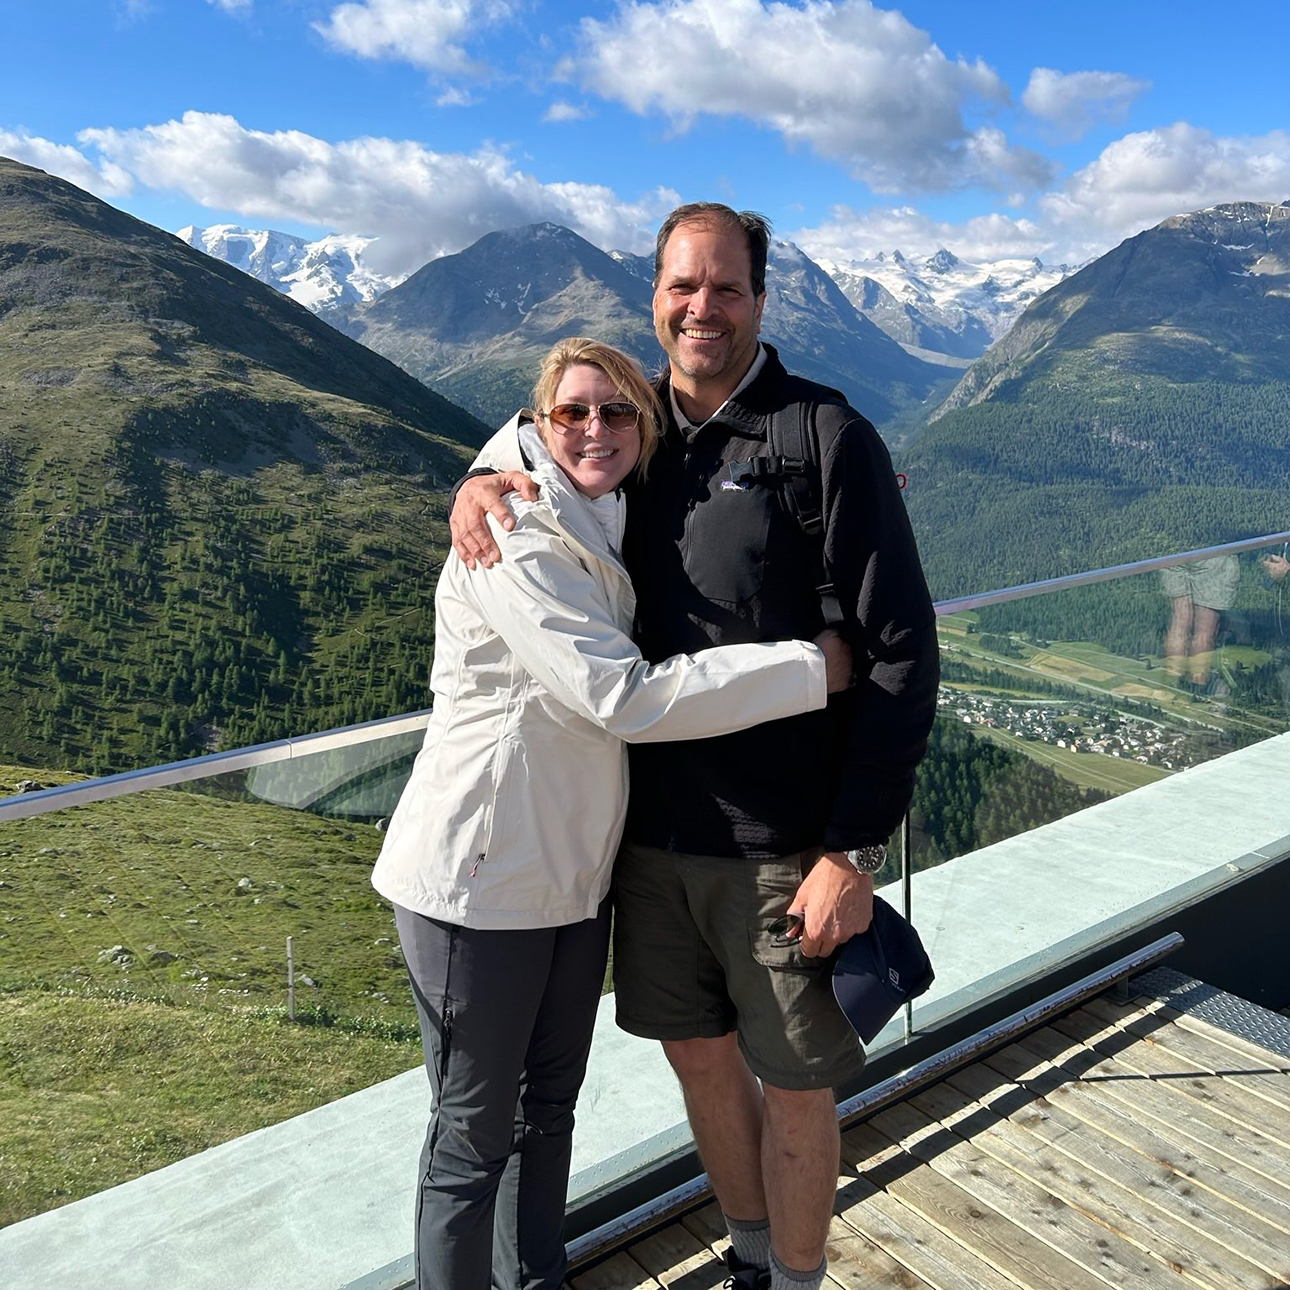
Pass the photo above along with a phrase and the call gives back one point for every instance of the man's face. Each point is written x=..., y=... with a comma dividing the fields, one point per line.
x=705, y=314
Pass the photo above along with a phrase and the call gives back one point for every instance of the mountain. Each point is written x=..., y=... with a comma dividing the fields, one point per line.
x=943, y=305
x=219, y=517
x=330, y=276
x=476, y=324
x=1140, y=406
x=821, y=335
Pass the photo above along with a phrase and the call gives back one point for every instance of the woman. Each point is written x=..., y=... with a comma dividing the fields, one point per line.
x=498, y=857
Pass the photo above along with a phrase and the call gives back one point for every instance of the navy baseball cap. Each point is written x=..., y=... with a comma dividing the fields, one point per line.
x=879, y=970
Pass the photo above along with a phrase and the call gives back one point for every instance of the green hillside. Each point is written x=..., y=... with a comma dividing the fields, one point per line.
x=1140, y=407
x=220, y=519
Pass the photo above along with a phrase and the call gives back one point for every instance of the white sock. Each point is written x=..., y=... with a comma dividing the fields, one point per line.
x=750, y=1240
x=782, y=1278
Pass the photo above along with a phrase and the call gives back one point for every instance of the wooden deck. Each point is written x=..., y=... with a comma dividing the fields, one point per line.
x=1122, y=1146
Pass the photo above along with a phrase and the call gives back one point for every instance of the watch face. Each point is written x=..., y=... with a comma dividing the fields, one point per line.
x=868, y=859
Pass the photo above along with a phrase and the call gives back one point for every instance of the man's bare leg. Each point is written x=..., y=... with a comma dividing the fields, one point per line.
x=801, y=1153
x=1204, y=633
x=724, y=1102
x=1178, y=636
x=746, y=1134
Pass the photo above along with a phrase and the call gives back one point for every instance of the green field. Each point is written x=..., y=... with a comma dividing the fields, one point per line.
x=1088, y=770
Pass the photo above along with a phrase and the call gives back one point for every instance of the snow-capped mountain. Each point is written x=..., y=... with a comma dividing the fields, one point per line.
x=329, y=276
x=943, y=304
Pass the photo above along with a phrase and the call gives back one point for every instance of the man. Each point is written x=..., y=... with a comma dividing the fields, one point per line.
x=724, y=836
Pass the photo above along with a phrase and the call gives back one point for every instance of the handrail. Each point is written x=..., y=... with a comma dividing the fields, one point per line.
x=26, y=805
x=1023, y=591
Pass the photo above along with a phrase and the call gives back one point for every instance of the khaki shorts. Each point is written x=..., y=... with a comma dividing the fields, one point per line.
x=693, y=959
x=1209, y=583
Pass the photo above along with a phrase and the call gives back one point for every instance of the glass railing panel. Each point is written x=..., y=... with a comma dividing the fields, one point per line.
x=143, y=962
x=1096, y=706
x=152, y=926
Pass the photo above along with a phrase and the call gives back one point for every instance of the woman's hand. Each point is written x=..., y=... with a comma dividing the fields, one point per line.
x=837, y=660
x=476, y=498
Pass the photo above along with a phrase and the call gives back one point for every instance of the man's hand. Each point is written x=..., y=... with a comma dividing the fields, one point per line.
x=838, y=666
x=1276, y=565
x=836, y=903
x=472, y=539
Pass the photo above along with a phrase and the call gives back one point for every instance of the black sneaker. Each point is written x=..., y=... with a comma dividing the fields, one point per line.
x=744, y=1276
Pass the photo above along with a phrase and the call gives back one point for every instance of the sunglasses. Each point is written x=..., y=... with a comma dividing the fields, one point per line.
x=618, y=418
x=786, y=930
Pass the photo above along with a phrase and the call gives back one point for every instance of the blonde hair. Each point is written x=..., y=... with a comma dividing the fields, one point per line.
x=623, y=370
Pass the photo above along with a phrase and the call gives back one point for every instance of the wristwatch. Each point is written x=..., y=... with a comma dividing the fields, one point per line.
x=868, y=859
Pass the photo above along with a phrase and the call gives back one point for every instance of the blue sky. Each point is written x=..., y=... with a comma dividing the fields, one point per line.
x=996, y=128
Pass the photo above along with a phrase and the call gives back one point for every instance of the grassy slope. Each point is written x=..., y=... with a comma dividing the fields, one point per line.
x=220, y=520
x=95, y=1091
x=109, y=1069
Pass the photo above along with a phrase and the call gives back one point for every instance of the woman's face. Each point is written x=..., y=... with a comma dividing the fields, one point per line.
x=595, y=458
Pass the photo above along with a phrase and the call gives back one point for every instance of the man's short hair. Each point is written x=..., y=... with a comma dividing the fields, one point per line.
x=755, y=227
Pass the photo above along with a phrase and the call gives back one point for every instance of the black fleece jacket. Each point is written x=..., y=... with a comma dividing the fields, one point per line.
x=714, y=563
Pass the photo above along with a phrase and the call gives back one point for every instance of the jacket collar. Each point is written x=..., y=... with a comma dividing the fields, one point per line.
x=751, y=409
x=572, y=511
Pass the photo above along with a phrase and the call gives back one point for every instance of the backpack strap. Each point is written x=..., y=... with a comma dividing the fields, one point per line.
x=795, y=455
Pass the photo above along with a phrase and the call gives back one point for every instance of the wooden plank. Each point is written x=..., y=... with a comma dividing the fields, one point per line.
x=674, y=1257
x=1166, y=1163
x=854, y=1262
x=859, y=1264
x=1192, y=1113
x=618, y=1272
x=1030, y=1263
x=1266, y=1076
x=1031, y=1208
x=708, y=1226
x=1218, y=1095
x=1102, y=1185
x=909, y=1238
x=1228, y=1197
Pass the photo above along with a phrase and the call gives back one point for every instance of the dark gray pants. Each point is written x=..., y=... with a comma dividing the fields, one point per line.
x=506, y=1022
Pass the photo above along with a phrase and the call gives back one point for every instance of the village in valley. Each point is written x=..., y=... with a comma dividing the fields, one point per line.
x=1076, y=727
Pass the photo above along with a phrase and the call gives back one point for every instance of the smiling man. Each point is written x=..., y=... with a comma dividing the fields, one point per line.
x=725, y=836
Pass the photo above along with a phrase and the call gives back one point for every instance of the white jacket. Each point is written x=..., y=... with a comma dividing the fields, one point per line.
x=516, y=802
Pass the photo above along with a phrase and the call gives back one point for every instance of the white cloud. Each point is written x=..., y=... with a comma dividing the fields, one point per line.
x=419, y=203
x=1134, y=183
x=1151, y=174
x=105, y=180
x=1073, y=101
x=455, y=96
x=860, y=85
x=561, y=111
x=426, y=33
x=231, y=6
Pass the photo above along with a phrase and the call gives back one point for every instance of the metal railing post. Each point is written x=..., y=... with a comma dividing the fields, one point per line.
x=907, y=901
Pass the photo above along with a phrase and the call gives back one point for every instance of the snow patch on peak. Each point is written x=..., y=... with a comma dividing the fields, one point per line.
x=324, y=275
x=943, y=304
